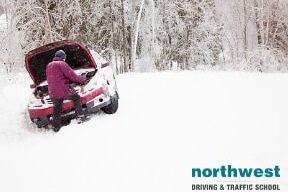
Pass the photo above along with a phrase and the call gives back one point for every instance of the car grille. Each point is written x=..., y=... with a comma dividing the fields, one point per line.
x=48, y=100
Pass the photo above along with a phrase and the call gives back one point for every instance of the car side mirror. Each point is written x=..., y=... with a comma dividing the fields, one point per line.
x=103, y=65
x=33, y=86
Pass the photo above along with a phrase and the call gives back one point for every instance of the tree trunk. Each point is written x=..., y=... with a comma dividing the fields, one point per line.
x=134, y=45
x=112, y=37
x=245, y=29
x=48, y=31
x=153, y=24
x=258, y=25
x=268, y=23
x=259, y=28
x=123, y=36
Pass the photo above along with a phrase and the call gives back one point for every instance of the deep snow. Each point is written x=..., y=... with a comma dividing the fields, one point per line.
x=166, y=124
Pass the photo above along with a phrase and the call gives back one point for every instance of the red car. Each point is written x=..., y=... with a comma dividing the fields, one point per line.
x=100, y=92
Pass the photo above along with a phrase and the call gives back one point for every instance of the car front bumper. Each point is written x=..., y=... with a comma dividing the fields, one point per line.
x=94, y=99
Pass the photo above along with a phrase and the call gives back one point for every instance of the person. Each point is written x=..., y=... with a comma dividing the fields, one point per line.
x=59, y=76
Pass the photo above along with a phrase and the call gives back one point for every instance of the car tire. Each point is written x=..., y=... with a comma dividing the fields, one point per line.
x=112, y=107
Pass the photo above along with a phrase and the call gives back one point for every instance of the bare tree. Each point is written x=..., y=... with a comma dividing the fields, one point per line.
x=245, y=28
x=124, y=38
x=136, y=33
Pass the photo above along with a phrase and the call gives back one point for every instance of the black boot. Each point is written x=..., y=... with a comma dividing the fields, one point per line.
x=82, y=118
x=56, y=129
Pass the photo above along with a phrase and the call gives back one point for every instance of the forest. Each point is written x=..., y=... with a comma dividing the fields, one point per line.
x=149, y=35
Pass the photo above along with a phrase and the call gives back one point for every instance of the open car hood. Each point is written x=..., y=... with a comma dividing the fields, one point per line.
x=78, y=56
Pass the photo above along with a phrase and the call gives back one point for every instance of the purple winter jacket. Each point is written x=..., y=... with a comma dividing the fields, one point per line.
x=58, y=74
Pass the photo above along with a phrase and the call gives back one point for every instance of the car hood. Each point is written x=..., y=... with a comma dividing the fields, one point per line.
x=78, y=56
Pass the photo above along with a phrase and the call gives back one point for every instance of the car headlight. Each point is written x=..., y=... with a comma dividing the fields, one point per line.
x=93, y=84
x=34, y=101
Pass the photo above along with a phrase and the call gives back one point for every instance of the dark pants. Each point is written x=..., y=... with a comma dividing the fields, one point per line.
x=57, y=109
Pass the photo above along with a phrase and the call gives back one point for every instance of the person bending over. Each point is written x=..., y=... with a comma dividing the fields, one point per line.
x=59, y=74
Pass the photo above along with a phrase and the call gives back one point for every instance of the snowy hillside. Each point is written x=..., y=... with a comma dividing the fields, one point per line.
x=166, y=123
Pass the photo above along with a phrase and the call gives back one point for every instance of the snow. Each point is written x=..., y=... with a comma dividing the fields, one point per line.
x=3, y=23
x=166, y=124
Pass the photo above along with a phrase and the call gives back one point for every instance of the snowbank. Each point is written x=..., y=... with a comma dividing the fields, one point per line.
x=14, y=92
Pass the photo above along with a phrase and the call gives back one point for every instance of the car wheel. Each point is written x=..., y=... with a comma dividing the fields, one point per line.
x=112, y=107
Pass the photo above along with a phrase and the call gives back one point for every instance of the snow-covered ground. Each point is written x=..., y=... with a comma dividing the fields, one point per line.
x=166, y=124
